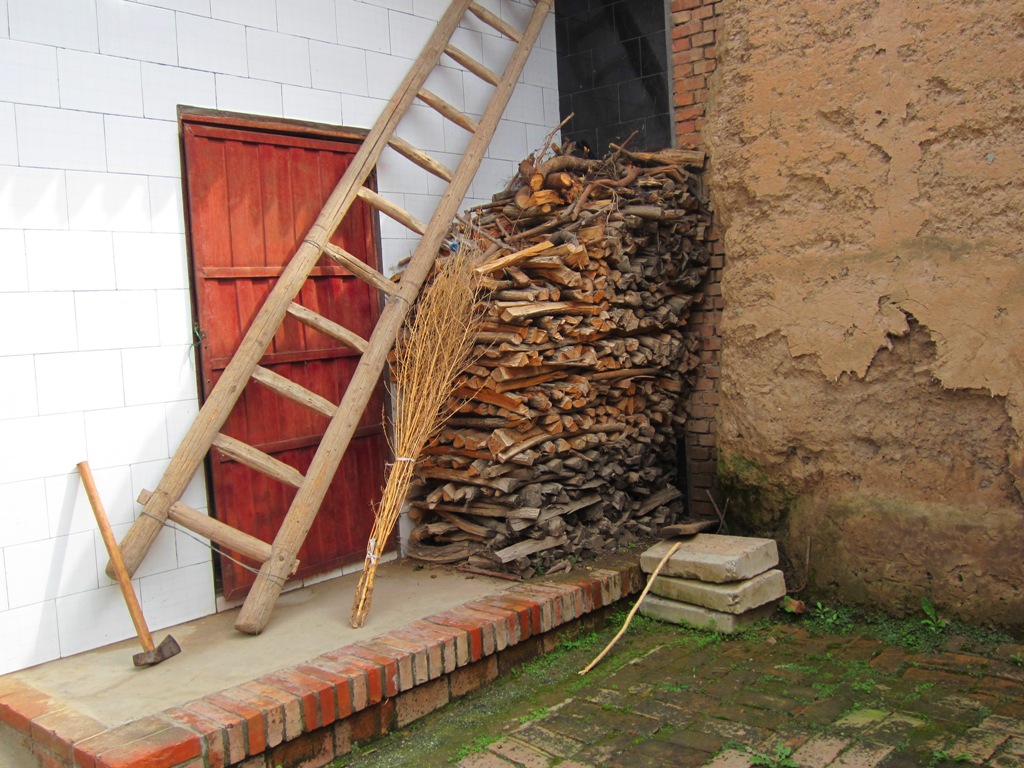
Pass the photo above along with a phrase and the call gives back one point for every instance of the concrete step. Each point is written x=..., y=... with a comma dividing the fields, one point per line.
x=713, y=557
x=734, y=597
x=663, y=609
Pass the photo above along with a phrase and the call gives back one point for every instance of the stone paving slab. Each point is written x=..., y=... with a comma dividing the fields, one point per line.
x=713, y=557
x=663, y=609
x=733, y=597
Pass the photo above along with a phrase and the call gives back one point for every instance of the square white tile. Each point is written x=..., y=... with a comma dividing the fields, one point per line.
x=164, y=88
x=278, y=57
x=96, y=83
x=63, y=260
x=23, y=514
x=63, y=23
x=60, y=138
x=108, y=202
x=150, y=260
x=117, y=319
x=41, y=446
x=52, y=329
x=134, y=31
x=118, y=436
x=29, y=636
x=18, y=387
x=79, y=381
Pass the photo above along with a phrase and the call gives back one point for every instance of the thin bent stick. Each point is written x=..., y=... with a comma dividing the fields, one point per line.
x=632, y=613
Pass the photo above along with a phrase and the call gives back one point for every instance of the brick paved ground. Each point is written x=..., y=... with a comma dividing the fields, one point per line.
x=780, y=696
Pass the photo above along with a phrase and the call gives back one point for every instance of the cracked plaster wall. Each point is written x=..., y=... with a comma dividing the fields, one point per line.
x=868, y=175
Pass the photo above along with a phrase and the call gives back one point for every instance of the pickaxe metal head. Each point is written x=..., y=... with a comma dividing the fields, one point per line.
x=169, y=647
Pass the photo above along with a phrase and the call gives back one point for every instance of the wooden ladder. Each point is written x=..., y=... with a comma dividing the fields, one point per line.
x=279, y=559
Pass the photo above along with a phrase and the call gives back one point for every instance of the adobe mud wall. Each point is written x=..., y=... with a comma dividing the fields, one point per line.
x=868, y=178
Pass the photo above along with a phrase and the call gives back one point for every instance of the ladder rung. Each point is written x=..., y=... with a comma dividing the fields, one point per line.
x=384, y=205
x=447, y=110
x=217, y=532
x=491, y=20
x=422, y=159
x=256, y=459
x=294, y=392
x=360, y=269
x=472, y=64
x=327, y=327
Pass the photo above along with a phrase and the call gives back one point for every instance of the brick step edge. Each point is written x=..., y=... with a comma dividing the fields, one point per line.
x=311, y=713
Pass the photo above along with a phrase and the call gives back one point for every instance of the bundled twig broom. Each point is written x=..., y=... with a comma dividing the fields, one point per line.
x=433, y=350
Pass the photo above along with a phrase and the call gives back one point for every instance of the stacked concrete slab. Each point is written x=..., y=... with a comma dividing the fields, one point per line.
x=715, y=582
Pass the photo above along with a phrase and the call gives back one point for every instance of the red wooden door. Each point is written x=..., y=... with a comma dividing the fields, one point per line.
x=252, y=194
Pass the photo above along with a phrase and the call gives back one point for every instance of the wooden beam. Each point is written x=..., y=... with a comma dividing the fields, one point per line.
x=327, y=327
x=446, y=110
x=294, y=392
x=360, y=269
x=397, y=213
x=494, y=22
x=472, y=64
x=258, y=460
x=422, y=159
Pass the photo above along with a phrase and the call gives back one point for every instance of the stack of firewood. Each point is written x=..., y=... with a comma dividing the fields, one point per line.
x=563, y=443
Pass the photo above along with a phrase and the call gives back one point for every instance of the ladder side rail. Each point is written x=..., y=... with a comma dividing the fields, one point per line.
x=259, y=603
x=194, y=446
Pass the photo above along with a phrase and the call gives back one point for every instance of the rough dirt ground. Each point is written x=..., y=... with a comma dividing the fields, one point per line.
x=868, y=174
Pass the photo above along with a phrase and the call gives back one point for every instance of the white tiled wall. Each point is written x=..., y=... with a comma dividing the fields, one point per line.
x=96, y=360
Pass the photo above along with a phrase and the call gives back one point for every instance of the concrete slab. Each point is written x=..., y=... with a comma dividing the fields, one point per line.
x=105, y=685
x=733, y=597
x=663, y=609
x=713, y=557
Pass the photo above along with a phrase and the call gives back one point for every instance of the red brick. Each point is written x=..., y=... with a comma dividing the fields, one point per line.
x=505, y=620
x=59, y=729
x=271, y=711
x=311, y=750
x=710, y=25
x=470, y=678
x=702, y=39
x=694, y=84
x=454, y=642
x=528, y=613
x=233, y=727
x=707, y=440
x=686, y=130
x=420, y=701
x=704, y=12
x=704, y=67
x=291, y=703
x=687, y=29
x=428, y=660
x=681, y=99
x=211, y=735
x=686, y=57
x=685, y=5
x=22, y=703
x=473, y=628
x=255, y=727
x=397, y=664
x=681, y=17
x=681, y=44
x=315, y=695
x=412, y=658
x=345, y=684
x=373, y=722
x=151, y=742
x=375, y=686
x=691, y=112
